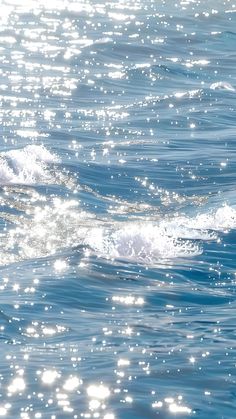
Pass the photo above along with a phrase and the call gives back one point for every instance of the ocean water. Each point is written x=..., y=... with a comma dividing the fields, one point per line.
x=118, y=209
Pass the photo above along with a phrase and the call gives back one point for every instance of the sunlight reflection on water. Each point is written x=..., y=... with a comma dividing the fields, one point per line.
x=117, y=174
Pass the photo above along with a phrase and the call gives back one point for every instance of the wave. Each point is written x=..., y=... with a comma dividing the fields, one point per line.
x=52, y=224
x=150, y=242
x=224, y=85
x=147, y=244
x=62, y=225
x=220, y=219
x=28, y=165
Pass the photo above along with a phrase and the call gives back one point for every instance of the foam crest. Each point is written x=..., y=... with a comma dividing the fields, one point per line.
x=26, y=166
x=62, y=224
x=224, y=85
x=148, y=243
x=220, y=219
x=151, y=242
x=224, y=218
x=184, y=229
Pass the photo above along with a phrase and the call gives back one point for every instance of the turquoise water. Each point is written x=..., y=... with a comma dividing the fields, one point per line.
x=118, y=209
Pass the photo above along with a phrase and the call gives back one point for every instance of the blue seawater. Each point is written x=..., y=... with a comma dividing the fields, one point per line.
x=118, y=209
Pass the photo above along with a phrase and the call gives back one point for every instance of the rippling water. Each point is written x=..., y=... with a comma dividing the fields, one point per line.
x=118, y=209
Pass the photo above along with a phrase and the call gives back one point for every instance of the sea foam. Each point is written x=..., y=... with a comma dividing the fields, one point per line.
x=144, y=243
x=222, y=85
x=150, y=242
x=26, y=166
x=61, y=224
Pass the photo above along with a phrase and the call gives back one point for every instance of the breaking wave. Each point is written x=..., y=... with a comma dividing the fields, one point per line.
x=28, y=165
x=63, y=224
x=48, y=225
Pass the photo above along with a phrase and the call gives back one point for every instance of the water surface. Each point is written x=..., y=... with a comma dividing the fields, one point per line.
x=118, y=209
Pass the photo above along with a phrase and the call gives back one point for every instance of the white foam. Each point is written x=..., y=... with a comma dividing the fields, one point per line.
x=151, y=242
x=224, y=218
x=222, y=85
x=26, y=166
x=186, y=229
x=148, y=243
x=62, y=224
x=217, y=220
